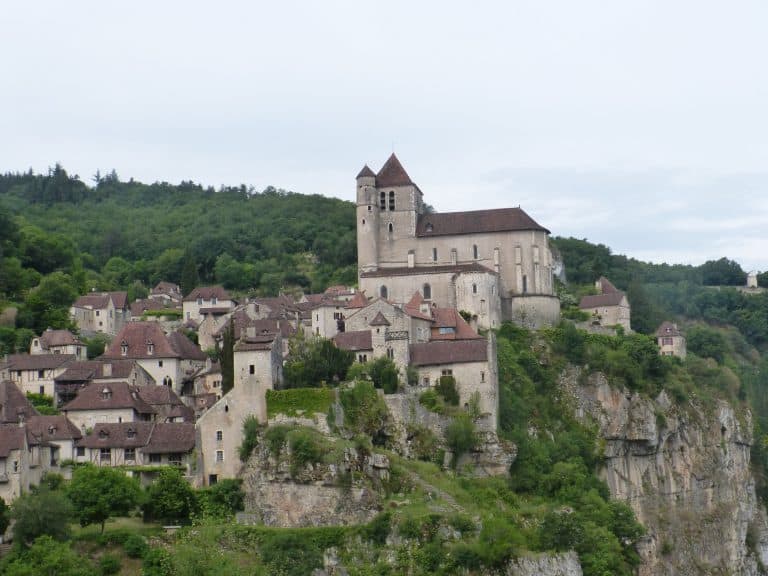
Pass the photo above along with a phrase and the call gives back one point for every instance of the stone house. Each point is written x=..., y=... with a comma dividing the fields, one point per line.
x=104, y=312
x=114, y=402
x=168, y=293
x=258, y=368
x=670, y=340
x=608, y=308
x=138, y=444
x=206, y=300
x=172, y=360
x=495, y=264
x=58, y=342
x=35, y=373
x=78, y=375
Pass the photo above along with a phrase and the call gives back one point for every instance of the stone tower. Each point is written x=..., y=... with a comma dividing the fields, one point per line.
x=367, y=221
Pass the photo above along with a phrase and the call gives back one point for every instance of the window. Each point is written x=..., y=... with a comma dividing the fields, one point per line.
x=214, y=300
x=123, y=348
x=42, y=390
x=130, y=433
x=391, y=228
x=370, y=208
x=199, y=301
x=212, y=479
x=383, y=200
x=80, y=451
x=474, y=251
x=105, y=455
x=219, y=435
x=427, y=289
x=434, y=254
x=426, y=380
x=383, y=292
x=364, y=218
x=446, y=330
x=175, y=458
x=251, y=369
x=447, y=372
x=160, y=363
x=150, y=348
x=390, y=353
x=338, y=316
x=168, y=381
x=155, y=458
x=41, y=373
x=97, y=312
x=482, y=376
x=525, y=284
x=130, y=454
x=219, y=455
x=391, y=200
x=474, y=288
x=664, y=342
x=15, y=465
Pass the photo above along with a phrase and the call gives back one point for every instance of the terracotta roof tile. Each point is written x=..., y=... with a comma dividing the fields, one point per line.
x=476, y=222
x=605, y=286
x=95, y=369
x=354, y=341
x=110, y=396
x=12, y=437
x=258, y=342
x=168, y=437
x=358, y=300
x=14, y=403
x=450, y=318
x=598, y=300
x=117, y=435
x=413, y=307
x=139, y=335
x=38, y=361
x=207, y=292
x=47, y=428
x=449, y=352
x=185, y=348
x=51, y=338
x=392, y=174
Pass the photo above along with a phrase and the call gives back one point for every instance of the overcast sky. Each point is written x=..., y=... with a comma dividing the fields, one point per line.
x=641, y=125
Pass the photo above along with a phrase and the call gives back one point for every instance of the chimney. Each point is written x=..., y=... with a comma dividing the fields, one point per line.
x=107, y=370
x=250, y=331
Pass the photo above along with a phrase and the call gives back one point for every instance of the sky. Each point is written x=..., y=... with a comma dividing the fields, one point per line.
x=638, y=125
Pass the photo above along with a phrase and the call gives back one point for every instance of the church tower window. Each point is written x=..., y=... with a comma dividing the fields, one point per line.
x=383, y=200
x=434, y=254
x=391, y=228
x=383, y=292
x=392, y=200
x=474, y=288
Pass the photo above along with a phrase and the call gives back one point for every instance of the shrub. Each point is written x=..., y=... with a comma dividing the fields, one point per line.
x=460, y=436
x=275, y=437
x=306, y=447
x=299, y=401
x=135, y=546
x=365, y=411
x=423, y=441
x=250, y=438
x=157, y=562
x=431, y=401
x=109, y=564
x=446, y=387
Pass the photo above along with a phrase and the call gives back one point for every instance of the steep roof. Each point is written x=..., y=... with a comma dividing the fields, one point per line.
x=450, y=318
x=138, y=335
x=185, y=348
x=100, y=300
x=413, y=307
x=392, y=174
x=366, y=172
x=476, y=222
x=207, y=292
x=358, y=300
x=419, y=270
x=168, y=437
x=255, y=343
x=138, y=307
x=599, y=300
x=111, y=396
x=449, y=352
x=668, y=329
x=354, y=341
x=14, y=403
x=94, y=369
x=379, y=320
x=117, y=435
x=51, y=338
x=12, y=437
x=47, y=428
x=38, y=361
x=605, y=286
x=242, y=322
x=164, y=287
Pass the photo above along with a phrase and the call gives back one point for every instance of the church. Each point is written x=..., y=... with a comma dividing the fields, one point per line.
x=493, y=265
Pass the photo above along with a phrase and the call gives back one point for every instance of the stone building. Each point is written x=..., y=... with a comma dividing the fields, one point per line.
x=494, y=264
x=608, y=308
x=58, y=342
x=670, y=340
x=206, y=300
x=104, y=312
x=35, y=373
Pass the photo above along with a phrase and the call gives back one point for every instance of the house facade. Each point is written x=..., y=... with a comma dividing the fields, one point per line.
x=206, y=300
x=494, y=264
x=608, y=308
x=58, y=342
x=35, y=373
x=104, y=312
x=670, y=340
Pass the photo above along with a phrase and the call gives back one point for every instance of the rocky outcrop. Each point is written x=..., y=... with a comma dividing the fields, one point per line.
x=320, y=494
x=685, y=470
x=566, y=564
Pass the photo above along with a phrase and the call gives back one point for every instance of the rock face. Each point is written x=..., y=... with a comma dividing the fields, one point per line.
x=686, y=473
x=343, y=493
x=566, y=564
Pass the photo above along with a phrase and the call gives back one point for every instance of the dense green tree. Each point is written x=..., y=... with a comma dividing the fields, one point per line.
x=5, y=516
x=312, y=362
x=98, y=493
x=170, y=498
x=47, y=305
x=723, y=272
x=706, y=342
x=46, y=556
x=39, y=513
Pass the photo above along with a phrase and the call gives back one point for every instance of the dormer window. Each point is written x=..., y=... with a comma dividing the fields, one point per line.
x=123, y=348
x=214, y=301
x=199, y=301
x=103, y=434
x=429, y=227
x=130, y=433
x=106, y=393
x=150, y=347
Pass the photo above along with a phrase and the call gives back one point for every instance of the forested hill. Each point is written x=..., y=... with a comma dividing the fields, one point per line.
x=113, y=234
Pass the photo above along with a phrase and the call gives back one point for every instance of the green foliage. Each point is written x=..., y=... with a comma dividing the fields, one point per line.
x=222, y=500
x=109, y=564
x=5, y=516
x=41, y=513
x=706, y=342
x=299, y=401
x=365, y=411
x=314, y=362
x=423, y=442
x=47, y=556
x=446, y=387
x=135, y=546
x=95, y=345
x=99, y=493
x=251, y=428
x=42, y=403
x=307, y=446
x=276, y=437
x=460, y=436
x=157, y=562
x=170, y=498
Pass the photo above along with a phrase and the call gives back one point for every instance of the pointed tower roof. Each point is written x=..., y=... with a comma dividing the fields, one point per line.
x=358, y=300
x=365, y=173
x=393, y=174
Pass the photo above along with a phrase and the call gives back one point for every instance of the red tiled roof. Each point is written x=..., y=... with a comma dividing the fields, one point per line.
x=117, y=435
x=38, y=361
x=449, y=352
x=365, y=173
x=605, y=286
x=354, y=341
x=668, y=329
x=13, y=403
x=138, y=335
x=51, y=338
x=170, y=437
x=206, y=293
x=169, y=288
x=100, y=300
x=140, y=306
x=47, y=428
x=598, y=300
x=476, y=222
x=413, y=307
x=392, y=174
x=358, y=300
x=111, y=396
x=94, y=369
x=417, y=270
x=12, y=437
x=185, y=348
x=450, y=318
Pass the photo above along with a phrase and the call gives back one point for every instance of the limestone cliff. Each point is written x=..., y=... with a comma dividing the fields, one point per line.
x=685, y=470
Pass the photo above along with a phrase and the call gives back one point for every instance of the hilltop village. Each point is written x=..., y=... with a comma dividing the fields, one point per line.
x=432, y=288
